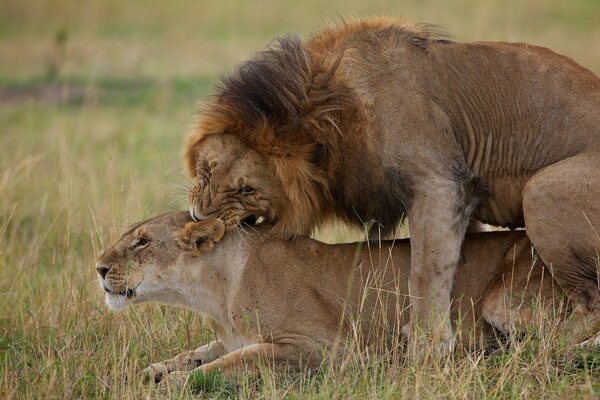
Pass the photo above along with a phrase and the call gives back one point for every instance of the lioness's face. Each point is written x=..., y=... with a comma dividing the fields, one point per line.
x=147, y=262
x=233, y=182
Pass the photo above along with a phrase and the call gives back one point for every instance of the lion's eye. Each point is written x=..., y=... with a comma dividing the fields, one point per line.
x=247, y=190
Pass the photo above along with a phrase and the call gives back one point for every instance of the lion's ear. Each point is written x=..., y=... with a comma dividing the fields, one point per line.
x=200, y=237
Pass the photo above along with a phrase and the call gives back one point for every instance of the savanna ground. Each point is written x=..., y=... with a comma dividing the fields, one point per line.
x=95, y=99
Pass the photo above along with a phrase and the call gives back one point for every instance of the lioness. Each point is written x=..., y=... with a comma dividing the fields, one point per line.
x=375, y=119
x=291, y=302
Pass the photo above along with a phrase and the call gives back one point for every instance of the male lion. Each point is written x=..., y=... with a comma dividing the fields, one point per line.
x=293, y=302
x=376, y=118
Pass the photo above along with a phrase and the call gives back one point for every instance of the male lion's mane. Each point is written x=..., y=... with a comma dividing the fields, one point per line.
x=291, y=104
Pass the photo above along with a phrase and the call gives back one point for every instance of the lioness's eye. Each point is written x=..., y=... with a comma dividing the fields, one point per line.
x=247, y=190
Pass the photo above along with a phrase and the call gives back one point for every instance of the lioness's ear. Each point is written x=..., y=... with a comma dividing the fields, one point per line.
x=200, y=237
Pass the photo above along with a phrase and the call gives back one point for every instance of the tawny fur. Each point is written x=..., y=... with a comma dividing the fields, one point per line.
x=292, y=302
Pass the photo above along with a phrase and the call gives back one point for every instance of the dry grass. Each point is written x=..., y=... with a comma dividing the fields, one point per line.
x=100, y=150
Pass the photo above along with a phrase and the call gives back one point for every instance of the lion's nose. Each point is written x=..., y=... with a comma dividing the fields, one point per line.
x=102, y=269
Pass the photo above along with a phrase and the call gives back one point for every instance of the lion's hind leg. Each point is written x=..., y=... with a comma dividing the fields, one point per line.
x=561, y=205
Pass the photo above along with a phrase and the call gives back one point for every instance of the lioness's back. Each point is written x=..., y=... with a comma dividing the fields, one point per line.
x=322, y=285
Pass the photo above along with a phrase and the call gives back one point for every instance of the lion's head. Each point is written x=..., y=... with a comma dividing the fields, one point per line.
x=233, y=182
x=266, y=142
x=149, y=261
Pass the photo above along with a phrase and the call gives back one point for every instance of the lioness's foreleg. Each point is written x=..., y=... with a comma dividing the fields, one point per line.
x=438, y=218
x=561, y=205
x=185, y=361
x=248, y=358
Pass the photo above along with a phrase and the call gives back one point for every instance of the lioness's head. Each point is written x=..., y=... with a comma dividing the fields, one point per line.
x=148, y=261
x=264, y=143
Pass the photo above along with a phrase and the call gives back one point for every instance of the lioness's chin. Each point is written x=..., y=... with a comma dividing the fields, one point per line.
x=117, y=302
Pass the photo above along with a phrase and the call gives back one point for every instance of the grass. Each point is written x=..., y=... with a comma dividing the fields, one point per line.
x=95, y=99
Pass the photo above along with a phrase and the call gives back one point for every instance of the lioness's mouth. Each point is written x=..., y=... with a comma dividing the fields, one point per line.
x=129, y=293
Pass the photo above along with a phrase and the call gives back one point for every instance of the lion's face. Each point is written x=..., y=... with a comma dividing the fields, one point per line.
x=144, y=264
x=233, y=182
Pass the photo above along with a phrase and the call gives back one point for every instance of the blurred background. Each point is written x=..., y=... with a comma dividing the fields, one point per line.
x=95, y=100
x=96, y=96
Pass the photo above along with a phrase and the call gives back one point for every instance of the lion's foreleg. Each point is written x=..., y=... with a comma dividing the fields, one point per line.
x=186, y=361
x=438, y=219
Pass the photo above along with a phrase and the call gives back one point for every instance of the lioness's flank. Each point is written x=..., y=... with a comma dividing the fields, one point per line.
x=375, y=119
x=291, y=302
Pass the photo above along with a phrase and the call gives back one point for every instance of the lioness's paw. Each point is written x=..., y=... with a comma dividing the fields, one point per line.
x=593, y=341
x=155, y=373
x=176, y=379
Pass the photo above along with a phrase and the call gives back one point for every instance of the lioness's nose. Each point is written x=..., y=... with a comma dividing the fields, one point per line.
x=102, y=269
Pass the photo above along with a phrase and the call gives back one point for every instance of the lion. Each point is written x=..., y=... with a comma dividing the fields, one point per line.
x=295, y=303
x=372, y=120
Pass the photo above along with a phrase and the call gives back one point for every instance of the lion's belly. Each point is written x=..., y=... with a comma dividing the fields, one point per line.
x=504, y=204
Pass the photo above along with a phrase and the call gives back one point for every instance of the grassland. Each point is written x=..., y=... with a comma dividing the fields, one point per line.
x=95, y=99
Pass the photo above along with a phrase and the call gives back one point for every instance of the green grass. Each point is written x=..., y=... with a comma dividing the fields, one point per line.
x=95, y=100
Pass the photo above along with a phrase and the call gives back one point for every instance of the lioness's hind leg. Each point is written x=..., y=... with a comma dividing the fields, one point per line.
x=523, y=294
x=561, y=204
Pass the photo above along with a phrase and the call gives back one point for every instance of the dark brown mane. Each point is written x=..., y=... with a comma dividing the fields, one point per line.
x=283, y=88
x=272, y=85
x=279, y=83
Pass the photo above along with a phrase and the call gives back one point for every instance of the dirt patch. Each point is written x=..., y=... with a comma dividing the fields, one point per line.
x=49, y=93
